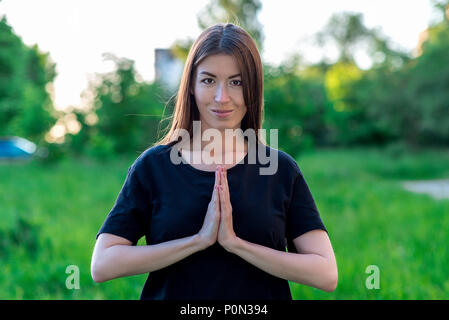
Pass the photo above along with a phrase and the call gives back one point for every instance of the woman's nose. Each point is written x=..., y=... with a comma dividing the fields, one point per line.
x=222, y=94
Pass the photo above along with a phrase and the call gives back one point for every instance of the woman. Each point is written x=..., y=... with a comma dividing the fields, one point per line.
x=216, y=229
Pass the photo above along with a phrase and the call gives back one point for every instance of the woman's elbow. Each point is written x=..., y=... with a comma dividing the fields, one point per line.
x=332, y=282
x=98, y=273
x=98, y=278
x=331, y=287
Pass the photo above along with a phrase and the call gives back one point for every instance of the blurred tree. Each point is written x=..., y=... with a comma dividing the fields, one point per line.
x=240, y=12
x=180, y=48
x=443, y=7
x=26, y=108
x=410, y=103
x=338, y=80
x=126, y=111
x=346, y=115
x=380, y=110
x=347, y=31
x=428, y=89
x=37, y=114
x=12, y=72
x=296, y=104
x=360, y=98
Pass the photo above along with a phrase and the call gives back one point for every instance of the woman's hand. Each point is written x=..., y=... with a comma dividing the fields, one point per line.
x=226, y=234
x=209, y=231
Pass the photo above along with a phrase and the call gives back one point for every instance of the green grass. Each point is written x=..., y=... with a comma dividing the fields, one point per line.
x=372, y=221
x=51, y=214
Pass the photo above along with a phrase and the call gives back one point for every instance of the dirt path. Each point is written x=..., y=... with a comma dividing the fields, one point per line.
x=438, y=189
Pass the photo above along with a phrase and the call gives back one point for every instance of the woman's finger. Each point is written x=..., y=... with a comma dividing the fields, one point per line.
x=216, y=176
x=221, y=196
x=217, y=173
x=215, y=197
x=215, y=183
x=226, y=181
x=215, y=194
x=224, y=184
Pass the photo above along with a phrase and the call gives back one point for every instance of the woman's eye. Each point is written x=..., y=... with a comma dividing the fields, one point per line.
x=207, y=81
x=211, y=81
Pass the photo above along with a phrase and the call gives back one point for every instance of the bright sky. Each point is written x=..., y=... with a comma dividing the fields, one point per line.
x=77, y=32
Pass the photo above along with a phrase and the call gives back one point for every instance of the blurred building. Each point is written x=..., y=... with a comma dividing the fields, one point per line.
x=168, y=68
x=424, y=35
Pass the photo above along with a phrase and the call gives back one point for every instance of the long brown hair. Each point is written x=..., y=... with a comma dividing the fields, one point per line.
x=221, y=38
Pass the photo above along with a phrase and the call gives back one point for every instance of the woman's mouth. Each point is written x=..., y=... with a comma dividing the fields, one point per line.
x=222, y=113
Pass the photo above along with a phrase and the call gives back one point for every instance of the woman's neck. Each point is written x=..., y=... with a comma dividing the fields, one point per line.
x=219, y=141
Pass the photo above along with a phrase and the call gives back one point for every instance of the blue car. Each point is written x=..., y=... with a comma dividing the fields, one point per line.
x=16, y=148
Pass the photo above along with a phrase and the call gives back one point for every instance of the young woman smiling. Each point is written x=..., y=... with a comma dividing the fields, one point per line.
x=216, y=229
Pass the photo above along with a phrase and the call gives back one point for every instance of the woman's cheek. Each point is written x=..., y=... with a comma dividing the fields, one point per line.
x=204, y=97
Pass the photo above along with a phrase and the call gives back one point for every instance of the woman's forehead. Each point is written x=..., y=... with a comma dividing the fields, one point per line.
x=220, y=65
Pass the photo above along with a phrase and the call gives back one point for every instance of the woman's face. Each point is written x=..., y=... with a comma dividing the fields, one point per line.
x=218, y=92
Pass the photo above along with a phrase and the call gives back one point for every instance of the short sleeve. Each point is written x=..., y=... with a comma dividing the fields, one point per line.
x=302, y=215
x=129, y=217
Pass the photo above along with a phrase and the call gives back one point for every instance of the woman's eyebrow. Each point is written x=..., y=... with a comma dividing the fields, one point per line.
x=213, y=75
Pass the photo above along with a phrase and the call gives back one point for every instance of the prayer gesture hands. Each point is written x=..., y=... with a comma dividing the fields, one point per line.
x=218, y=221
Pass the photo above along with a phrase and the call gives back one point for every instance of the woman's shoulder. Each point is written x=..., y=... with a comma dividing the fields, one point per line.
x=285, y=160
x=150, y=155
x=155, y=151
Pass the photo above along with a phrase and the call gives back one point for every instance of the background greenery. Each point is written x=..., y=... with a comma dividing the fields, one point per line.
x=370, y=218
x=355, y=133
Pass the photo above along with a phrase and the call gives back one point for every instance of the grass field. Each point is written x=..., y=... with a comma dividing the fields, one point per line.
x=51, y=213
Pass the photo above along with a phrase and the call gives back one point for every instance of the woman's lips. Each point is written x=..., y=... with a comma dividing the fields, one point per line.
x=222, y=113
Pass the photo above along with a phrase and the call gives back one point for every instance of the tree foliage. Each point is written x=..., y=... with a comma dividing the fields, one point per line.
x=128, y=112
x=240, y=12
x=26, y=73
x=400, y=99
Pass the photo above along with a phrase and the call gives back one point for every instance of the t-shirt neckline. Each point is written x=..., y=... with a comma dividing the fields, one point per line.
x=229, y=170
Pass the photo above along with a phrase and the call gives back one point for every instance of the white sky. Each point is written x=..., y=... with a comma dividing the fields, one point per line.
x=77, y=32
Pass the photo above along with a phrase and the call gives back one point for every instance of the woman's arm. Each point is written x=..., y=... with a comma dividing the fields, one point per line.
x=315, y=266
x=115, y=257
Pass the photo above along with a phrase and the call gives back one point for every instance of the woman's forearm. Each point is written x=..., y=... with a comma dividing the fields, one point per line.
x=308, y=269
x=124, y=260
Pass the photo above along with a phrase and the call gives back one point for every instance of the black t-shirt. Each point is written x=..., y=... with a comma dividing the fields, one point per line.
x=165, y=201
